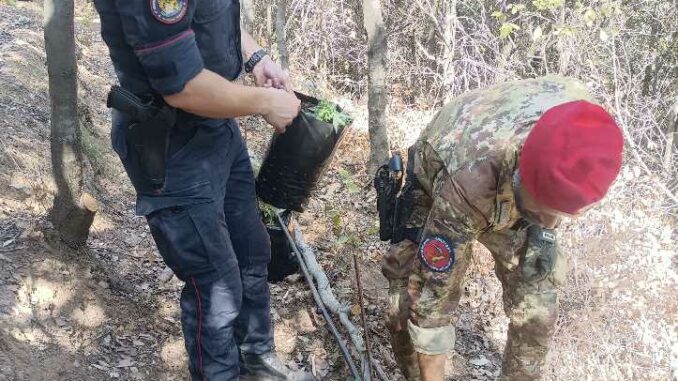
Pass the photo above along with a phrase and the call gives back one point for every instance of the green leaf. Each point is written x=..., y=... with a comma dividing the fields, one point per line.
x=268, y=213
x=506, y=29
x=590, y=17
x=347, y=180
x=515, y=8
x=329, y=113
x=352, y=188
x=336, y=221
x=545, y=5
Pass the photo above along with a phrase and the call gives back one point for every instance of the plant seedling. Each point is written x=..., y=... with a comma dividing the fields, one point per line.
x=329, y=113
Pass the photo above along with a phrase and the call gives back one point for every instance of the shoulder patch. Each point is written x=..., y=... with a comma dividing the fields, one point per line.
x=437, y=253
x=169, y=11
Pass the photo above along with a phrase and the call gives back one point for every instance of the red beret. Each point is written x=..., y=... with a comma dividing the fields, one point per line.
x=571, y=156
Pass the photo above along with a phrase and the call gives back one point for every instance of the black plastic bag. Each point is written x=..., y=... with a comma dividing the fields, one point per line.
x=283, y=261
x=297, y=158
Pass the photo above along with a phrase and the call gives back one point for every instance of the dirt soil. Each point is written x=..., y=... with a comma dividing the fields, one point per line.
x=110, y=311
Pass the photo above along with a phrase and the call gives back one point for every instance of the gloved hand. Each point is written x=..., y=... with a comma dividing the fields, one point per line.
x=541, y=253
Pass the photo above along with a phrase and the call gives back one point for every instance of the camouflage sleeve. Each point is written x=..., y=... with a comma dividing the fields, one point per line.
x=462, y=208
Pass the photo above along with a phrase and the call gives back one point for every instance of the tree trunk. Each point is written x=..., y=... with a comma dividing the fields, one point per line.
x=280, y=18
x=671, y=136
x=247, y=20
x=70, y=216
x=377, y=96
x=269, y=27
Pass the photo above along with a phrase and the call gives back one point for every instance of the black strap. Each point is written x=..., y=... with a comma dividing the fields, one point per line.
x=254, y=60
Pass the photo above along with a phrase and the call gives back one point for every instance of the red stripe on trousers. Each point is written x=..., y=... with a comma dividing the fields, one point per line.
x=197, y=295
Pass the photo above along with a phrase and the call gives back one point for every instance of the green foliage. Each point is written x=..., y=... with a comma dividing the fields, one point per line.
x=374, y=229
x=329, y=113
x=348, y=181
x=499, y=15
x=506, y=29
x=516, y=8
x=348, y=239
x=268, y=214
x=590, y=17
x=336, y=222
x=547, y=5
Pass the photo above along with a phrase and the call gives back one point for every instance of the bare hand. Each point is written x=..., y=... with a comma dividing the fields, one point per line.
x=269, y=74
x=281, y=108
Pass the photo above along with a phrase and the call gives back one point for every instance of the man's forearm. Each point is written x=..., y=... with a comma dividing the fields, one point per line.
x=249, y=45
x=212, y=96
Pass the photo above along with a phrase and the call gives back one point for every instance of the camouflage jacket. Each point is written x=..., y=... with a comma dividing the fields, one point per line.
x=477, y=137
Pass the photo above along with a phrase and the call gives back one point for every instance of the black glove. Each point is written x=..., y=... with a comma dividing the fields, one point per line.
x=540, y=255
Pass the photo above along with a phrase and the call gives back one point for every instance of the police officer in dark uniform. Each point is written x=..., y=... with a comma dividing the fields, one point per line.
x=180, y=55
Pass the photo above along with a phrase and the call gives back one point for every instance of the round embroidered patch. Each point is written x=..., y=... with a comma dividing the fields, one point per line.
x=437, y=253
x=169, y=11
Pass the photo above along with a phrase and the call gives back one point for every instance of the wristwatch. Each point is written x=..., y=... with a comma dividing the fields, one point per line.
x=254, y=60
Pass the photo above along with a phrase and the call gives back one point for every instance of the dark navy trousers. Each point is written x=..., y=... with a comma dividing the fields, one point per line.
x=219, y=247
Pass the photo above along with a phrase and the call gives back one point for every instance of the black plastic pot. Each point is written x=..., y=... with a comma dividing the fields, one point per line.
x=296, y=159
x=283, y=261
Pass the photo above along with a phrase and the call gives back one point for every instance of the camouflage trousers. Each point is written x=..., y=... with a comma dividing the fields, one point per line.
x=421, y=315
x=531, y=307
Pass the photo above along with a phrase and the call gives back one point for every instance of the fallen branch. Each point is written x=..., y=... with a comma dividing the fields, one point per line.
x=319, y=301
x=341, y=310
x=367, y=371
x=325, y=291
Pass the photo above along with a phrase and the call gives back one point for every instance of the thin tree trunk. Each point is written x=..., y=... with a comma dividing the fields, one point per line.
x=671, y=136
x=247, y=20
x=280, y=18
x=269, y=27
x=72, y=213
x=377, y=96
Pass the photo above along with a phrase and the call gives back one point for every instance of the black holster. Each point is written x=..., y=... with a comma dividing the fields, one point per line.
x=404, y=205
x=387, y=183
x=149, y=133
x=395, y=209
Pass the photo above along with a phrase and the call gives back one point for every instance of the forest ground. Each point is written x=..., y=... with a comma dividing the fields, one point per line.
x=110, y=311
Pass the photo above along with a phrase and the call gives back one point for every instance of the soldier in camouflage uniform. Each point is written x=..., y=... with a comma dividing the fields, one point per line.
x=499, y=166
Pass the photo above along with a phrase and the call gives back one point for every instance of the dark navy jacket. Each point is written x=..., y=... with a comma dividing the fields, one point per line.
x=156, y=51
x=157, y=46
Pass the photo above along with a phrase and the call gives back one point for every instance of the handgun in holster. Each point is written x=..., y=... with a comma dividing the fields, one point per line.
x=395, y=201
x=387, y=183
x=149, y=133
x=404, y=204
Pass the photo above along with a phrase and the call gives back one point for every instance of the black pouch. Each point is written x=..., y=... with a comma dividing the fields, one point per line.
x=296, y=160
x=283, y=261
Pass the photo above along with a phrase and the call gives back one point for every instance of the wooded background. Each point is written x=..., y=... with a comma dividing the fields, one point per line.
x=626, y=52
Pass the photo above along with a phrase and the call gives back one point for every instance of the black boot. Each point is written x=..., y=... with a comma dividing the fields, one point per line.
x=268, y=367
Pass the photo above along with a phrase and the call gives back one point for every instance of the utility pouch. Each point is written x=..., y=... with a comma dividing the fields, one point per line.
x=149, y=132
x=387, y=183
